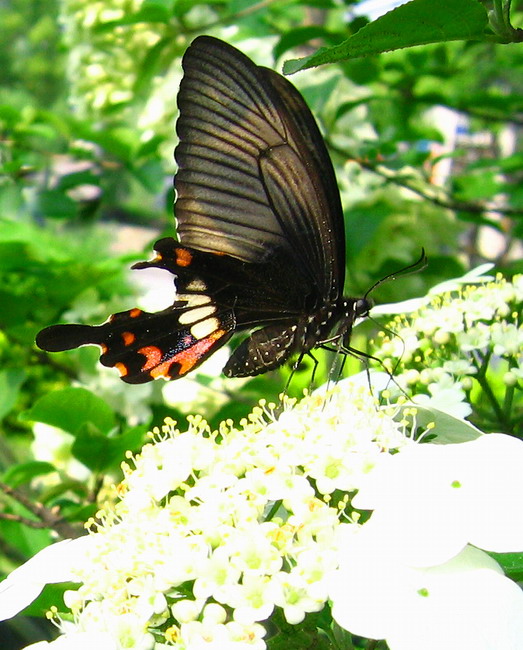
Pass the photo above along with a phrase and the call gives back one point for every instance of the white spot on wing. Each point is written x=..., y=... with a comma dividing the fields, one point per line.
x=206, y=327
x=197, y=285
x=193, y=315
x=193, y=300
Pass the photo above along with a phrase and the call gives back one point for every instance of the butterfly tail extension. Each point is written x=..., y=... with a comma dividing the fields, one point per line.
x=59, y=338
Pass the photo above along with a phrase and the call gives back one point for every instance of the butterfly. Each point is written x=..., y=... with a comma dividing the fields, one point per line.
x=261, y=234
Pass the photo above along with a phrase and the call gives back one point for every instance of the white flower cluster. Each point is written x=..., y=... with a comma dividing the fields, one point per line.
x=461, y=350
x=215, y=532
x=216, y=529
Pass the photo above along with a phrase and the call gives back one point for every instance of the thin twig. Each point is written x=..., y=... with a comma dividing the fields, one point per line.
x=49, y=518
x=447, y=202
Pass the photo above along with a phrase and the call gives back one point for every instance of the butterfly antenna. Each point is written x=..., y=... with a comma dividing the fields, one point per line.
x=417, y=266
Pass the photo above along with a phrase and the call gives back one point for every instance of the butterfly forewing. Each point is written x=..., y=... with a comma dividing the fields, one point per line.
x=233, y=118
x=329, y=220
x=221, y=204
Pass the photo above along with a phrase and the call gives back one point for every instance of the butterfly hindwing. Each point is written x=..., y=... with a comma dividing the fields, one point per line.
x=256, y=292
x=264, y=350
x=144, y=346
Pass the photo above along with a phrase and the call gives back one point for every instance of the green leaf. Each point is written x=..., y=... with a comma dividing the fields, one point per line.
x=478, y=185
x=13, y=256
x=52, y=595
x=361, y=224
x=25, y=472
x=27, y=541
x=150, y=146
x=85, y=177
x=512, y=564
x=92, y=449
x=416, y=23
x=151, y=175
x=150, y=65
x=10, y=382
x=71, y=409
x=98, y=452
x=57, y=205
x=447, y=429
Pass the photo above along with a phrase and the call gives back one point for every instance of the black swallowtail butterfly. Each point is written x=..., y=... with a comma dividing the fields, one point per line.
x=260, y=227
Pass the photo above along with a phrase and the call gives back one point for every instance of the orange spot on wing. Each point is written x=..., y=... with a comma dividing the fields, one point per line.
x=183, y=257
x=134, y=313
x=128, y=338
x=121, y=369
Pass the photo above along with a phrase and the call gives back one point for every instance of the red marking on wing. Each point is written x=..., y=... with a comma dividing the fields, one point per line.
x=153, y=356
x=134, y=313
x=186, y=358
x=189, y=357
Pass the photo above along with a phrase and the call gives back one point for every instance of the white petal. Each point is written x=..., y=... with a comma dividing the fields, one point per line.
x=16, y=596
x=463, y=604
x=493, y=486
x=52, y=564
x=359, y=598
x=420, y=538
x=468, y=605
x=435, y=499
x=78, y=641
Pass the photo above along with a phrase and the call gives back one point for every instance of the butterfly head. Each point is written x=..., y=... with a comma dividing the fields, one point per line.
x=361, y=307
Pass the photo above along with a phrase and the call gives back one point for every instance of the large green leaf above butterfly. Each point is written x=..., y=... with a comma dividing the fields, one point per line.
x=420, y=22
